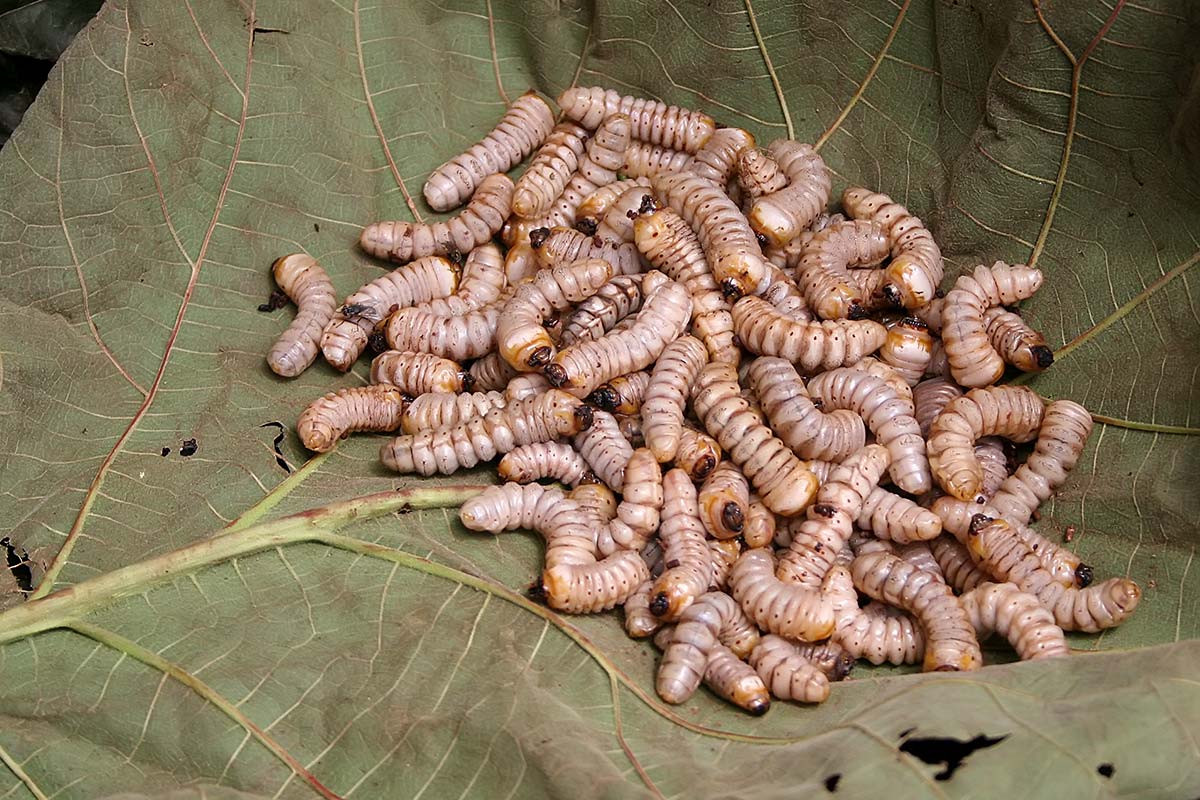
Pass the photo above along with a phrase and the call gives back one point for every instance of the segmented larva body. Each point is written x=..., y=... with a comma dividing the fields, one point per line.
x=716, y=161
x=1017, y=343
x=873, y=366
x=617, y=223
x=881, y=635
x=823, y=273
x=613, y=302
x=817, y=540
x=666, y=395
x=491, y=373
x=434, y=410
x=973, y=360
x=520, y=263
x=888, y=417
x=400, y=241
x=346, y=334
x=338, y=414
x=598, y=505
x=527, y=384
x=305, y=283
x=643, y=159
x=639, y=622
x=956, y=564
x=724, y=502
x=990, y=453
x=787, y=256
x=908, y=349
x=897, y=519
x=583, y=366
x=523, y=127
x=552, y=460
x=808, y=431
x=995, y=546
x=728, y=242
x=670, y=244
x=950, y=643
x=783, y=215
x=829, y=657
x=785, y=609
x=698, y=453
x=483, y=279
x=512, y=506
x=939, y=362
x=520, y=336
x=549, y=170
x=714, y=618
x=787, y=674
x=912, y=278
x=471, y=335
x=418, y=373
x=759, y=174
x=642, y=499
x=811, y=345
x=920, y=556
x=597, y=204
x=782, y=481
x=564, y=245
x=736, y=681
x=930, y=398
x=623, y=394
x=1017, y=616
x=1014, y=412
x=605, y=449
x=1061, y=438
x=445, y=450
x=652, y=121
x=723, y=554
x=630, y=426
x=686, y=555
x=759, y=530
x=785, y=295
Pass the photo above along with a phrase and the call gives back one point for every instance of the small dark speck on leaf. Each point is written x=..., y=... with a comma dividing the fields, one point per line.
x=316, y=227
x=1106, y=770
x=405, y=509
x=831, y=783
x=166, y=451
x=188, y=448
x=951, y=752
x=906, y=732
x=277, y=300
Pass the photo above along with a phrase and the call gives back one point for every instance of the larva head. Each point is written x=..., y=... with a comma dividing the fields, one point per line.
x=853, y=198
x=1084, y=575
x=772, y=221
x=750, y=693
x=586, y=226
x=982, y=532
x=842, y=666
x=793, y=493
x=908, y=282
x=538, y=237
x=555, y=374
x=671, y=597
x=606, y=398
x=732, y=517
x=1043, y=356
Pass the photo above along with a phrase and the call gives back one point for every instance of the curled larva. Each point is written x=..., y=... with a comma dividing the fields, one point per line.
x=418, y=373
x=573, y=581
x=1014, y=412
x=783, y=215
x=597, y=204
x=782, y=481
x=346, y=334
x=920, y=556
x=483, y=279
x=623, y=394
x=716, y=161
x=617, y=223
x=482, y=219
x=810, y=432
x=788, y=255
x=1062, y=436
x=908, y=349
x=527, y=384
x=564, y=245
x=823, y=273
x=1016, y=342
x=959, y=570
x=582, y=367
x=723, y=554
x=785, y=295
x=599, y=501
x=829, y=657
x=542, y=418
x=613, y=302
x=643, y=159
x=995, y=546
x=759, y=174
x=885, y=372
x=759, y=530
x=880, y=634
x=552, y=460
x=523, y=127
x=338, y=414
x=642, y=498
x=989, y=451
x=728, y=242
x=639, y=622
x=471, y=335
x=930, y=398
x=912, y=277
x=950, y=643
x=785, y=609
x=520, y=336
x=973, y=360
x=434, y=410
x=888, y=417
x=897, y=519
x=605, y=449
x=787, y=674
x=670, y=245
x=1017, y=616
x=305, y=283
x=549, y=170
x=724, y=501
x=698, y=453
x=714, y=618
x=653, y=121
x=735, y=680
x=491, y=373
x=686, y=555
x=811, y=345
x=520, y=263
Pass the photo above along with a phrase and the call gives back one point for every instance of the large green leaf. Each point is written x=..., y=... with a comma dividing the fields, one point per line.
x=179, y=148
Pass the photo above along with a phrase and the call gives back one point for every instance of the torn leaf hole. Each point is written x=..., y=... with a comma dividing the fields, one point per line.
x=951, y=752
x=18, y=564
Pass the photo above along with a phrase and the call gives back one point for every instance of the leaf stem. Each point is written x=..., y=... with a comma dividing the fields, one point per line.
x=276, y=496
x=22, y=775
x=762, y=46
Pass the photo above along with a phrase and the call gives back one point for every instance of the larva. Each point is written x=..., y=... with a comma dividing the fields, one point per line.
x=956, y=564
x=643, y=159
x=483, y=279
x=305, y=283
x=666, y=395
x=639, y=622
x=823, y=272
x=597, y=204
x=786, y=296
x=337, y=414
x=787, y=674
x=434, y=410
x=724, y=501
x=685, y=552
x=520, y=337
x=564, y=245
x=881, y=635
x=887, y=416
x=400, y=241
x=973, y=360
x=1017, y=343
x=804, y=428
x=670, y=245
x=346, y=334
x=829, y=657
x=723, y=553
x=787, y=256
x=912, y=278
x=552, y=460
x=759, y=530
x=930, y=398
x=523, y=127
x=1004, y=609
x=785, y=609
x=582, y=367
x=418, y=373
x=1014, y=412
x=698, y=453
x=605, y=449
x=599, y=501
x=783, y=215
x=630, y=426
x=513, y=506
x=653, y=121
x=728, y=242
x=908, y=349
x=939, y=362
x=527, y=384
x=549, y=170
x=812, y=346
x=997, y=549
x=613, y=302
x=458, y=338
x=758, y=174
x=950, y=643
x=617, y=223
x=642, y=499
x=1061, y=438
x=623, y=394
x=885, y=372
x=538, y=419
x=491, y=373
x=736, y=681
x=897, y=519
x=716, y=160
x=714, y=618
x=782, y=481
x=520, y=263
x=989, y=451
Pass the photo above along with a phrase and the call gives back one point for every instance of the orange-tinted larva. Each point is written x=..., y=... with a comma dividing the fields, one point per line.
x=605, y=449
x=812, y=346
x=597, y=204
x=759, y=530
x=724, y=502
x=810, y=432
x=783, y=215
x=652, y=121
x=698, y=453
x=532, y=462
x=549, y=170
x=642, y=502
x=689, y=567
x=434, y=410
x=418, y=373
x=520, y=263
x=712, y=618
x=523, y=127
x=623, y=394
x=723, y=553
x=639, y=622
x=483, y=280
x=337, y=414
x=908, y=349
x=520, y=336
x=573, y=581
x=564, y=245
x=1017, y=616
x=1016, y=342
x=735, y=680
x=470, y=335
x=787, y=674
x=716, y=161
x=912, y=278
x=305, y=283
x=643, y=159
x=617, y=223
x=1062, y=436
x=759, y=174
x=824, y=271
x=785, y=609
x=973, y=360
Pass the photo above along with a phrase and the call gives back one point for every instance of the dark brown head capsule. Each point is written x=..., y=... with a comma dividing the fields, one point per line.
x=555, y=374
x=584, y=414
x=979, y=522
x=586, y=226
x=539, y=356
x=732, y=517
x=538, y=237
x=606, y=397
x=1043, y=355
x=1084, y=576
x=704, y=465
x=660, y=605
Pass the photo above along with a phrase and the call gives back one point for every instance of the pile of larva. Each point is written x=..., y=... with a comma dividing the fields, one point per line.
x=744, y=392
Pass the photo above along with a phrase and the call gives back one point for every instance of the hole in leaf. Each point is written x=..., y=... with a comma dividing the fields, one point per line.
x=951, y=752
x=18, y=564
